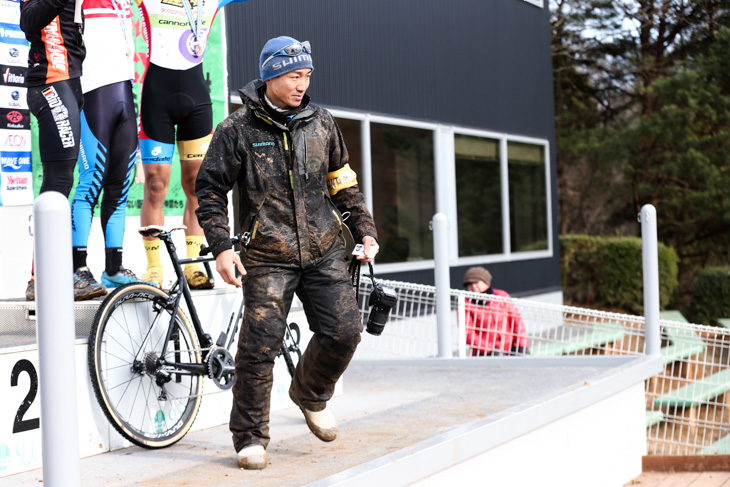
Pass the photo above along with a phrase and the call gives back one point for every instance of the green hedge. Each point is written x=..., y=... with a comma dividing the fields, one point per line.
x=711, y=295
x=607, y=272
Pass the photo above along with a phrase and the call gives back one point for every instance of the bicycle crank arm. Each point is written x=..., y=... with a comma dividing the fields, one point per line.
x=192, y=369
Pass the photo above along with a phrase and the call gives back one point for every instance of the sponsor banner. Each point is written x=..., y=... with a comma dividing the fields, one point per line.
x=16, y=188
x=11, y=34
x=14, y=54
x=10, y=12
x=13, y=97
x=16, y=177
x=15, y=161
x=14, y=140
x=13, y=75
x=14, y=119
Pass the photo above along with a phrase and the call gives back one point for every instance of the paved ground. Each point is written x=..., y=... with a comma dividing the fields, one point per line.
x=385, y=408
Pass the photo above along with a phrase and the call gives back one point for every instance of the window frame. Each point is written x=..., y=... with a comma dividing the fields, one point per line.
x=507, y=255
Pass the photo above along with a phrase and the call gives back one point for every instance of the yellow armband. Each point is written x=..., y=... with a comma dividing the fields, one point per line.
x=341, y=179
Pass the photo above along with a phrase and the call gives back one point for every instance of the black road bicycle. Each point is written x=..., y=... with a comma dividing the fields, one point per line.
x=147, y=359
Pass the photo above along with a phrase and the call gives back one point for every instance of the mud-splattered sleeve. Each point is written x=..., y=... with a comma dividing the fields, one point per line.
x=347, y=195
x=217, y=175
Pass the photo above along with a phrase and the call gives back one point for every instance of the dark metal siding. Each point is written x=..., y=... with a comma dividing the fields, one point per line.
x=479, y=63
x=484, y=64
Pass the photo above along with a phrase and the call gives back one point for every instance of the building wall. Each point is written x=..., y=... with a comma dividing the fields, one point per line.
x=467, y=62
x=476, y=64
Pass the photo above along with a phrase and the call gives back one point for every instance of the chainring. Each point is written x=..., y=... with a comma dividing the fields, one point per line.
x=221, y=368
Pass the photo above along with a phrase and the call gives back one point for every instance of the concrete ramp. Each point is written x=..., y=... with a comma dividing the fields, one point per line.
x=504, y=421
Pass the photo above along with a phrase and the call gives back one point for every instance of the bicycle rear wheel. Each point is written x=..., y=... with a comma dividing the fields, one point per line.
x=126, y=340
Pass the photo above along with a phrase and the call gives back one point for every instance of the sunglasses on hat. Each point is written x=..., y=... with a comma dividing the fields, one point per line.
x=290, y=50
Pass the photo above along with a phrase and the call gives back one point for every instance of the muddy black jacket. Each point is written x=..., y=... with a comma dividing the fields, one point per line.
x=56, y=44
x=282, y=175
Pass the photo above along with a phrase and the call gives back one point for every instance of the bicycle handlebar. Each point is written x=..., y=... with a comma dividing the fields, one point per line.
x=205, y=250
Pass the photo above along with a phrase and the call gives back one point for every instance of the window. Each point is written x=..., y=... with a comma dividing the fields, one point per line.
x=351, y=134
x=527, y=197
x=495, y=190
x=478, y=195
x=403, y=192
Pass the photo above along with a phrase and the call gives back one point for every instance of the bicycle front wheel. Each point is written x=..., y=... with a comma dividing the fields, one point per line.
x=126, y=341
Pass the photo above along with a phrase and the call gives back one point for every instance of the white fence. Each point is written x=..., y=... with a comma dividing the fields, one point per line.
x=688, y=404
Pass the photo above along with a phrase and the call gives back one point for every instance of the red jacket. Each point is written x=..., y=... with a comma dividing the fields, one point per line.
x=495, y=325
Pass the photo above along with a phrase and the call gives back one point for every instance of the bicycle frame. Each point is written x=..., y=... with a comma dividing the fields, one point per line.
x=181, y=290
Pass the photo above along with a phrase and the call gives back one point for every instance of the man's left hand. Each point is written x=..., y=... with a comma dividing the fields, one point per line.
x=371, y=249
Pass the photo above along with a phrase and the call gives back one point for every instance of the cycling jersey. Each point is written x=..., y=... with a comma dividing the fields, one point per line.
x=172, y=27
x=56, y=46
x=174, y=92
x=110, y=43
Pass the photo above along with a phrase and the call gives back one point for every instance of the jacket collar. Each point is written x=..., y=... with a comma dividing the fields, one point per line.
x=250, y=96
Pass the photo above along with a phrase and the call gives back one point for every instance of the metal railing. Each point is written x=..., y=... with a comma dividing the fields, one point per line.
x=688, y=404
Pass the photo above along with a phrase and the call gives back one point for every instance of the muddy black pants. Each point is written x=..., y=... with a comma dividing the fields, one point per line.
x=333, y=316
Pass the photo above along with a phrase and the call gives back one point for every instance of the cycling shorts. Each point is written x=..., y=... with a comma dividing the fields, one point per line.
x=175, y=105
x=57, y=107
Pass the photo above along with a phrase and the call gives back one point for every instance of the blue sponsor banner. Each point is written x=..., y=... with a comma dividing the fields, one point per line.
x=15, y=161
x=10, y=12
x=11, y=34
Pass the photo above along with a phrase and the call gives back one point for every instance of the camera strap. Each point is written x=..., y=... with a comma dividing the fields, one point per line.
x=355, y=276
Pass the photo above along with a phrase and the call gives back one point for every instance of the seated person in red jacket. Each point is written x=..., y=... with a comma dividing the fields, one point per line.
x=492, y=327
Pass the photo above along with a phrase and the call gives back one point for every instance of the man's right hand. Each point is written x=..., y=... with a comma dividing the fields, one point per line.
x=224, y=265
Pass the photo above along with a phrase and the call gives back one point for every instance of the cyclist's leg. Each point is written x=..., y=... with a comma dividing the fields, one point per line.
x=197, y=279
x=57, y=108
x=157, y=180
x=334, y=318
x=92, y=160
x=188, y=173
x=122, y=127
x=194, y=132
x=268, y=293
x=157, y=145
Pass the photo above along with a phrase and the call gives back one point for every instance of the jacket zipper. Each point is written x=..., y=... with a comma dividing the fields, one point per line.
x=304, y=163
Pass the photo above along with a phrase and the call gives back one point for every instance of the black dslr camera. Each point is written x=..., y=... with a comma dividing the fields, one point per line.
x=382, y=300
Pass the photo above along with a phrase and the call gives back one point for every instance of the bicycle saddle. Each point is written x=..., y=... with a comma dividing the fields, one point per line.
x=154, y=231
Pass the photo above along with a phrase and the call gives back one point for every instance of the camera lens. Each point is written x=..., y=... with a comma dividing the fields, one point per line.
x=376, y=321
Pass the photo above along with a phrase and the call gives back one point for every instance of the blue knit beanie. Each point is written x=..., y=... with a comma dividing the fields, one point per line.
x=282, y=63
